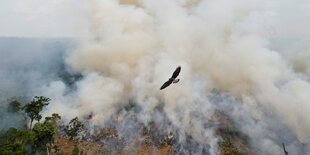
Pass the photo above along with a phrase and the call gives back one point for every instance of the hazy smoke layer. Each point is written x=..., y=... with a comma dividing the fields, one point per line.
x=25, y=65
x=241, y=47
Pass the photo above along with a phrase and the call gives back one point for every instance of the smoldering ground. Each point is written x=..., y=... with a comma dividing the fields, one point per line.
x=240, y=48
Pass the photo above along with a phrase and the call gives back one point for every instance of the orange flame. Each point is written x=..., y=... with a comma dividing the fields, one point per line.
x=94, y=117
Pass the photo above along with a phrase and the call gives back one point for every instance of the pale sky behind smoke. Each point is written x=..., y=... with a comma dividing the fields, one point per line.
x=64, y=18
x=39, y=18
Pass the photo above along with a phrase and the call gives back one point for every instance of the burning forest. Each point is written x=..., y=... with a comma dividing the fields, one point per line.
x=244, y=86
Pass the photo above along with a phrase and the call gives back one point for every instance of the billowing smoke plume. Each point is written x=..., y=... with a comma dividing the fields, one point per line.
x=253, y=50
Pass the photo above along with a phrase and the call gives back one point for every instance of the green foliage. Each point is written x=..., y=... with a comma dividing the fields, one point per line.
x=44, y=135
x=227, y=148
x=34, y=108
x=74, y=128
x=13, y=115
x=232, y=132
x=164, y=143
x=15, y=135
x=46, y=131
x=233, y=142
x=52, y=120
x=14, y=106
x=75, y=150
x=56, y=148
x=14, y=148
x=14, y=141
x=18, y=141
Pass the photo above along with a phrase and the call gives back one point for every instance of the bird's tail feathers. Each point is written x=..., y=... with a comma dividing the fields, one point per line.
x=176, y=80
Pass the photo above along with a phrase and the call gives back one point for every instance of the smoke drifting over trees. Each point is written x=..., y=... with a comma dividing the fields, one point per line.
x=245, y=58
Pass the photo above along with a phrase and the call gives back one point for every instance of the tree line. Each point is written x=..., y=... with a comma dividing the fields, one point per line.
x=40, y=137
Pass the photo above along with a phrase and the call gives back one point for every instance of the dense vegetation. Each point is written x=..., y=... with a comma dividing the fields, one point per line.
x=37, y=139
x=233, y=141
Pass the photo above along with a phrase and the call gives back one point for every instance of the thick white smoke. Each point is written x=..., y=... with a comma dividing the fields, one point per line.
x=234, y=46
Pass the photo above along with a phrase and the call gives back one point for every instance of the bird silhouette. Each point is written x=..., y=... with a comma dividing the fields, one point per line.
x=172, y=79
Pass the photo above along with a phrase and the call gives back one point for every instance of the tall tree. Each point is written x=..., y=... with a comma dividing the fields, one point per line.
x=74, y=128
x=34, y=108
x=46, y=132
x=52, y=120
x=44, y=136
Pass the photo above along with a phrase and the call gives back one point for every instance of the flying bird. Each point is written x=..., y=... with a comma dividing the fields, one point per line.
x=172, y=79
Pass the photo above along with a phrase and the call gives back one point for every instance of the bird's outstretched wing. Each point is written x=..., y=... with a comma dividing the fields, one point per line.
x=176, y=72
x=166, y=84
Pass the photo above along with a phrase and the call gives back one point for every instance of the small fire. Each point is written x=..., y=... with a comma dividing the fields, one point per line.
x=118, y=118
x=93, y=117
